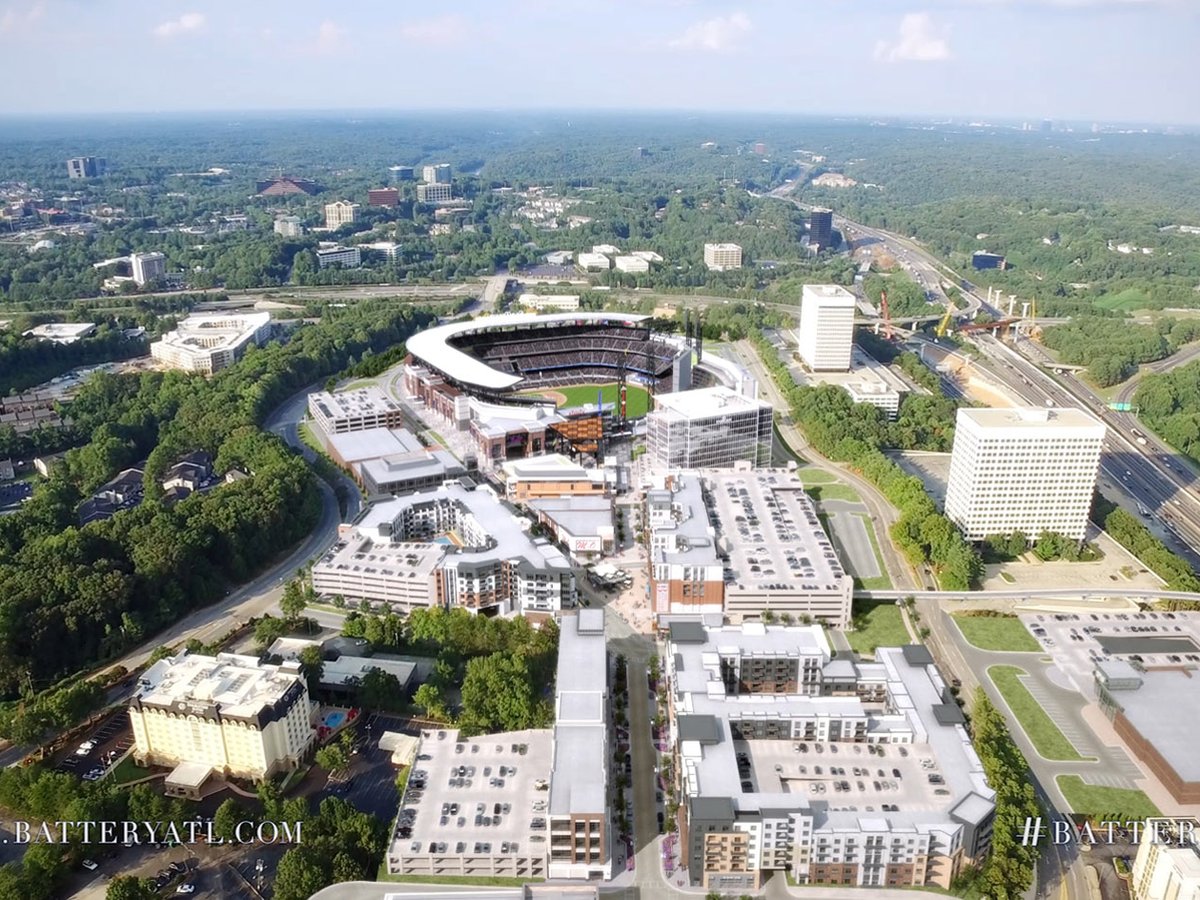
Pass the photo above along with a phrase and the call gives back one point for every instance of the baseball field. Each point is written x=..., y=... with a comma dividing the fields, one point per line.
x=637, y=399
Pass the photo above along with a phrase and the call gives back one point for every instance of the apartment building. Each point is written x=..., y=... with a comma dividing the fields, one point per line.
x=1026, y=469
x=826, y=327
x=719, y=257
x=708, y=428
x=356, y=410
x=835, y=770
x=339, y=213
x=209, y=343
x=226, y=713
x=453, y=546
x=147, y=267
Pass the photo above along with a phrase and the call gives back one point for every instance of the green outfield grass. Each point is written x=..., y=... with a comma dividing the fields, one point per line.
x=637, y=399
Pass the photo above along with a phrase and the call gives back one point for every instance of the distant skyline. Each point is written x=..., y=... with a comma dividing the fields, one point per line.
x=1064, y=60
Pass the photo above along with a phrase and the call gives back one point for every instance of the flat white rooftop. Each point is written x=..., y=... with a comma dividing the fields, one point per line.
x=349, y=404
x=706, y=403
x=238, y=684
x=1033, y=418
x=216, y=332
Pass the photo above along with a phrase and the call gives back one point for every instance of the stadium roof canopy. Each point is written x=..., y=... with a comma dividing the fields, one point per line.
x=432, y=346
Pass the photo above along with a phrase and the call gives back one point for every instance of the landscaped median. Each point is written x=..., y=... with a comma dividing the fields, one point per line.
x=1107, y=803
x=999, y=633
x=1049, y=742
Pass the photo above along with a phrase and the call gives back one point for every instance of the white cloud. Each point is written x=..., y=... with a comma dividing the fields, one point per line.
x=1074, y=4
x=442, y=31
x=715, y=35
x=14, y=21
x=185, y=24
x=331, y=39
x=919, y=40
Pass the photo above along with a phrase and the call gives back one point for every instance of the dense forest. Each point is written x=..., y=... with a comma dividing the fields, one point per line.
x=1170, y=404
x=1112, y=349
x=71, y=596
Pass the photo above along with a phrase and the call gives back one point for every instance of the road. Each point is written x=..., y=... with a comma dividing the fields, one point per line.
x=883, y=515
x=1152, y=475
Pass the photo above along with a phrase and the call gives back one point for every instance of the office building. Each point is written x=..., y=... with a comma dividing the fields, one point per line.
x=1167, y=864
x=1030, y=470
x=757, y=716
x=356, y=410
x=389, y=250
x=520, y=804
x=389, y=197
x=589, y=261
x=719, y=257
x=61, y=332
x=826, y=327
x=710, y=428
x=226, y=714
x=436, y=174
x=339, y=213
x=209, y=343
x=345, y=257
x=401, y=173
x=820, y=229
x=634, y=265
x=981, y=259
x=452, y=546
x=289, y=226
x=86, y=167
x=742, y=543
x=147, y=267
x=434, y=193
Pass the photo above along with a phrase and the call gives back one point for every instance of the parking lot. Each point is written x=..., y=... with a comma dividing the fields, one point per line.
x=847, y=776
x=14, y=493
x=1077, y=641
x=100, y=750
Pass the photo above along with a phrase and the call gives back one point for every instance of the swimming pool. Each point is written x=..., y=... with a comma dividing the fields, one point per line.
x=443, y=540
x=334, y=719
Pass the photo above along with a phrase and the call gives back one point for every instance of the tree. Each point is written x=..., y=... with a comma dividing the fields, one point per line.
x=129, y=887
x=331, y=758
x=300, y=874
x=312, y=666
x=293, y=604
x=429, y=699
x=268, y=630
x=380, y=690
x=227, y=817
x=497, y=696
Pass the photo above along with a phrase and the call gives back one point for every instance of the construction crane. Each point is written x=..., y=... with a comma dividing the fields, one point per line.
x=944, y=325
x=887, y=316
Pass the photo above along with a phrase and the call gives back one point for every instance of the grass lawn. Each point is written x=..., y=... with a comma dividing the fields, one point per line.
x=882, y=582
x=1049, y=742
x=833, y=491
x=637, y=399
x=811, y=476
x=127, y=770
x=989, y=633
x=1105, y=802
x=877, y=624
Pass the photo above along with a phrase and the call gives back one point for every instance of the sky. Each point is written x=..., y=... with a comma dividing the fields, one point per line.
x=984, y=60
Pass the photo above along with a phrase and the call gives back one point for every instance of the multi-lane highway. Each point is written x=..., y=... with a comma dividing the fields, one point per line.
x=1158, y=483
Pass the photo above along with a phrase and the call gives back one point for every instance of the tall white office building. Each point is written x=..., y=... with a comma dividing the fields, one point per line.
x=436, y=174
x=720, y=257
x=147, y=267
x=826, y=327
x=1031, y=470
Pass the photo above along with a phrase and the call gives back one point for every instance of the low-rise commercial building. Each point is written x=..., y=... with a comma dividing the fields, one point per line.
x=590, y=261
x=760, y=716
x=708, y=428
x=584, y=525
x=61, y=332
x=454, y=546
x=356, y=410
x=556, y=302
x=209, y=343
x=553, y=475
x=346, y=257
x=289, y=226
x=634, y=265
x=390, y=461
x=227, y=714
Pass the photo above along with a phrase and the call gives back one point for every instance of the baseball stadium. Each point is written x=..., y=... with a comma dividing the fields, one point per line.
x=525, y=383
